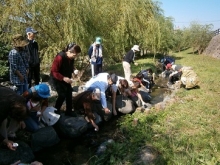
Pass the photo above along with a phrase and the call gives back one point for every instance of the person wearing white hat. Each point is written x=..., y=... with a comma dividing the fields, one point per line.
x=128, y=59
x=102, y=81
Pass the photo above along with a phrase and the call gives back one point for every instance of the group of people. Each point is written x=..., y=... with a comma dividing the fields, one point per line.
x=185, y=75
x=24, y=61
x=25, y=107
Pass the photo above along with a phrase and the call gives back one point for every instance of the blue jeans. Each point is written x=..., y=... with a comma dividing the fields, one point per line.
x=21, y=88
x=32, y=122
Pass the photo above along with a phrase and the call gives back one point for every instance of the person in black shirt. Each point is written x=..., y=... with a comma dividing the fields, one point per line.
x=61, y=76
x=33, y=56
x=128, y=59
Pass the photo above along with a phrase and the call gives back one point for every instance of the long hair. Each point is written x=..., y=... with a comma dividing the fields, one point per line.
x=15, y=104
x=84, y=101
x=72, y=47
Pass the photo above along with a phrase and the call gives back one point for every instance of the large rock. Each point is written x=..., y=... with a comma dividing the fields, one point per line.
x=23, y=153
x=213, y=48
x=72, y=126
x=44, y=137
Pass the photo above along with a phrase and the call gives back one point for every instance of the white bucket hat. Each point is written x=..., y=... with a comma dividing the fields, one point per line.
x=49, y=117
x=135, y=47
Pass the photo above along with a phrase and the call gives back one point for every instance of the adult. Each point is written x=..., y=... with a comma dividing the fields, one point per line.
x=33, y=56
x=95, y=55
x=12, y=106
x=37, y=102
x=128, y=59
x=176, y=72
x=61, y=73
x=188, y=78
x=131, y=92
x=147, y=78
x=18, y=63
x=86, y=103
x=103, y=81
x=167, y=60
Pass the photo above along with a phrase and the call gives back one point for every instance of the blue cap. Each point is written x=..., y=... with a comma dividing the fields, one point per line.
x=43, y=90
x=30, y=30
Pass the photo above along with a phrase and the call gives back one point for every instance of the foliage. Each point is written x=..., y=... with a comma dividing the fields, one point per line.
x=199, y=36
x=187, y=131
x=121, y=24
x=3, y=60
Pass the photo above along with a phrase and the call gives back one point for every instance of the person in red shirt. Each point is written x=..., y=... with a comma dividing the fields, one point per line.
x=61, y=74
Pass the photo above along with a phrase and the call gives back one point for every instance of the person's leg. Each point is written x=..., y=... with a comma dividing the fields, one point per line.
x=30, y=77
x=95, y=69
x=3, y=129
x=21, y=89
x=68, y=101
x=31, y=125
x=92, y=70
x=61, y=91
x=99, y=68
x=127, y=70
x=12, y=128
x=59, y=102
x=37, y=74
x=25, y=87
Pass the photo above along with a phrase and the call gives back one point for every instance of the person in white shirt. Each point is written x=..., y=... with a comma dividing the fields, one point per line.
x=103, y=81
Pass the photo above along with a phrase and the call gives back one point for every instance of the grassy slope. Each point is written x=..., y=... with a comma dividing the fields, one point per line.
x=188, y=131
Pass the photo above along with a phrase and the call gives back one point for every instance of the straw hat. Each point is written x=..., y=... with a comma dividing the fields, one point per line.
x=19, y=41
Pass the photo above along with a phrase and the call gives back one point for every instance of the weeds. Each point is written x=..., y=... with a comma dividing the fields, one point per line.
x=186, y=132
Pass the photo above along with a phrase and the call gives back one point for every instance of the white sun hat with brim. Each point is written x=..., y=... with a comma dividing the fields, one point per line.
x=135, y=47
x=49, y=117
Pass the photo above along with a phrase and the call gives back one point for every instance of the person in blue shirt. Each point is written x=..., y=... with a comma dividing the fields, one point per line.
x=95, y=56
x=103, y=81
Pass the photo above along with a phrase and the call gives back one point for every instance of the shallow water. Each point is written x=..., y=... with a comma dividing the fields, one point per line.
x=78, y=151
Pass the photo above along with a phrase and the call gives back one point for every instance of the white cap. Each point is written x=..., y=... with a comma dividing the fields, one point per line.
x=135, y=47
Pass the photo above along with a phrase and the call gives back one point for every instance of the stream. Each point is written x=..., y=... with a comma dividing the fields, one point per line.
x=79, y=150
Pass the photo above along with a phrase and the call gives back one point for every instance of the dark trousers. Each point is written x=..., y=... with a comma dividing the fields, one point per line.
x=97, y=68
x=64, y=92
x=34, y=73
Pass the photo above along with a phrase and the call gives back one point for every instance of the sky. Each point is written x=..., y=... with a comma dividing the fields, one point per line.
x=186, y=11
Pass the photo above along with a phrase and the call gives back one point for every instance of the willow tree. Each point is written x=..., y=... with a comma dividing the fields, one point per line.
x=120, y=23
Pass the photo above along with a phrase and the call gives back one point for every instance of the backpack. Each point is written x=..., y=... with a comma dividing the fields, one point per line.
x=189, y=78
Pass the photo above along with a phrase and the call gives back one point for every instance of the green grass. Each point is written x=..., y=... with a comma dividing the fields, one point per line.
x=186, y=132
